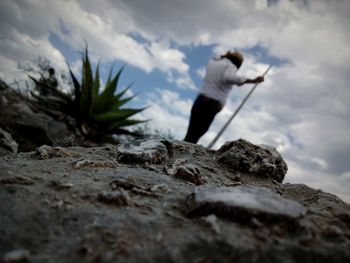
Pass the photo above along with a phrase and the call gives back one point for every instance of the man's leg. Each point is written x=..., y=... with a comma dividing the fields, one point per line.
x=202, y=115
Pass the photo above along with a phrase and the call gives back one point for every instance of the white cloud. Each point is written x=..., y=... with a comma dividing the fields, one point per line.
x=170, y=101
x=201, y=72
x=168, y=58
x=24, y=48
x=73, y=24
x=338, y=185
x=168, y=112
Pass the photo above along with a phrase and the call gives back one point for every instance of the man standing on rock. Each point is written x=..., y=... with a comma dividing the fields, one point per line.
x=220, y=75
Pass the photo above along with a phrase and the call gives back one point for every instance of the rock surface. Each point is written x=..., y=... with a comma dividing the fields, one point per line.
x=89, y=205
x=28, y=129
x=260, y=160
x=7, y=143
x=150, y=151
x=243, y=203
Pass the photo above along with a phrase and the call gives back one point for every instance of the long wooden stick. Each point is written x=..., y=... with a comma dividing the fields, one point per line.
x=236, y=112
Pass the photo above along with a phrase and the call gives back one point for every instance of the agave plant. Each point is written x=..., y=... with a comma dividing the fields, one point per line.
x=100, y=112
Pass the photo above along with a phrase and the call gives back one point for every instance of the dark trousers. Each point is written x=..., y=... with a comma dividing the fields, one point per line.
x=203, y=113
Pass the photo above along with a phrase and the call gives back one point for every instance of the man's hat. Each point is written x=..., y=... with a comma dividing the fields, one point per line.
x=235, y=55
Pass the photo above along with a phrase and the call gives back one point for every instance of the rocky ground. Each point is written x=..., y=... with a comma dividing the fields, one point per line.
x=164, y=201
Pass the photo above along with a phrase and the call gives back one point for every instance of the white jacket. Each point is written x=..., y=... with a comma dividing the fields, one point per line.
x=219, y=77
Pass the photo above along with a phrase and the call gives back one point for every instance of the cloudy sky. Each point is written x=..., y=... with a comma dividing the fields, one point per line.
x=302, y=108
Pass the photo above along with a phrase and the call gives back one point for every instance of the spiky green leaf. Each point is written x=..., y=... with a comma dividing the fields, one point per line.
x=117, y=104
x=121, y=94
x=117, y=101
x=115, y=116
x=96, y=81
x=95, y=89
x=129, y=122
x=125, y=123
x=112, y=85
x=77, y=87
x=105, y=99
x=87, y=84
x=109, y=78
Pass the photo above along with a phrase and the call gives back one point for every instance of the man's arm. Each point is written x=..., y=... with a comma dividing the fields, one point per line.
x=256, y=80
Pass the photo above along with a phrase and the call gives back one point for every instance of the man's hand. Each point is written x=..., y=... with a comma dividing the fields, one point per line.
x=255, y=81
x=259, y=79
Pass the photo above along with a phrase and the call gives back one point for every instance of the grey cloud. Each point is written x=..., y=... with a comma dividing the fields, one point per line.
x=187, y=21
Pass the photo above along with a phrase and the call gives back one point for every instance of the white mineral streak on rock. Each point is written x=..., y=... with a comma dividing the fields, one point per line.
x=172, y=169
x=152, y=151
x=212, y=220
x=271, y=149
x=43, y=151
x=46, y=152
x=181, y=168
x=95, y=164
x=145, y=146
x=160, y=188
